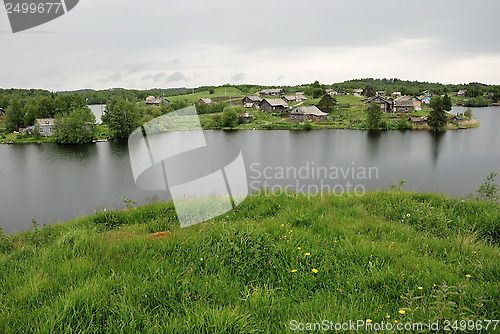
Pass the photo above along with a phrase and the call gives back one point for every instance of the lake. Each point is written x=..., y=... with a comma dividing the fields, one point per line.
x=51, y=183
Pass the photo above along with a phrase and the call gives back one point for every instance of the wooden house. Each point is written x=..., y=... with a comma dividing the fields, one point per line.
x=457, y=119
x=299, y=97
x=273, y=105
x=407, y=103
x=45, y=125
x=153, y=101
x=251, y=101
x=307, y=113
x=358, y=92
x=417, y=120
x=386, y=104
x=462, y=93
x=289, y=99
x=205, y=101
x=271, y=92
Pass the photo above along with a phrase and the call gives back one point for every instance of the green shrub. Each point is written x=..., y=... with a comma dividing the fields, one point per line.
x=404, y=124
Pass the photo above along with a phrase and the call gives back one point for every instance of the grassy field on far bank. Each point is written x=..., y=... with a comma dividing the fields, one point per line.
x=385, y=256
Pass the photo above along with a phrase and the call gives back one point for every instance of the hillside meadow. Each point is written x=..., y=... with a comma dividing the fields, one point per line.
x=389, y=256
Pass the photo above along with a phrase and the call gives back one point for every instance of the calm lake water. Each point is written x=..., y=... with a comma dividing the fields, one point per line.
x=51, y=183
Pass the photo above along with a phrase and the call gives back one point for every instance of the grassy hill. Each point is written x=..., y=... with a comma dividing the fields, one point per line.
x=385, y=256
x=218, y=92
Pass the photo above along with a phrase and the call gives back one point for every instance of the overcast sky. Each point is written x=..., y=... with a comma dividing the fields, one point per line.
x=189, y=43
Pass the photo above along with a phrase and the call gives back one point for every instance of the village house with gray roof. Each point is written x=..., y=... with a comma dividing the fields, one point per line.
x=271, y=92
x=251, y=101
x=45, y=125
x=153, y=101
x=307, y=113
x=273, y=105
x=407, y=103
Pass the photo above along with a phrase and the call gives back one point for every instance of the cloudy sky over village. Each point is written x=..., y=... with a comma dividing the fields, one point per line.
x=188, y=43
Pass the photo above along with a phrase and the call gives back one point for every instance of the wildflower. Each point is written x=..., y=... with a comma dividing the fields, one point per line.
x=294, y=270
x=299, y=248
x=315, y=271
x=368, y=320
x=307, y=254
x=434, y=285
x=387, y=316
x=395, y=321
x=201, y=259
x=468, y=276
x=420, y=288
x=407, y=215
x=401, y=312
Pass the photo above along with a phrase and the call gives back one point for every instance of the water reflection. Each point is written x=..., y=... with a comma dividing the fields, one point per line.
x=50, y=182
x=436, y=139
x=373, y=143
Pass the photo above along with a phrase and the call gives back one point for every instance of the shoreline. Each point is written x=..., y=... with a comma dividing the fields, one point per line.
x=473, y=123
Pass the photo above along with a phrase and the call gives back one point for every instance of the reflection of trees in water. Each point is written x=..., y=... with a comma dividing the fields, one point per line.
x=436, y=138
x=373, y=142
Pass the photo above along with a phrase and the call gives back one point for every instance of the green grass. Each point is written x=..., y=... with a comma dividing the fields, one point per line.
x=219, y=91
x=251, y=269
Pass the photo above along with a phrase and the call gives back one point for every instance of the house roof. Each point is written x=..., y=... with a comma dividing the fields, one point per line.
x=290, y=97
x=271, y=90
x=276, y=102
x=380, y=98
x=403, y=101
x=153, y=100
x=205, y=100
x=253, y=98
x=45, y=121
x=310, y=110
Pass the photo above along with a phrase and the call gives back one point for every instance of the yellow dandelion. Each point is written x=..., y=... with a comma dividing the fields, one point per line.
x=315, y=271
x=368, y=320
x=401, y=311
x=420, y=288
x=468, y=276
x=387, y=316
x=434, y=285
x=299, y=248
x=294, y=270
x=395, y=321
x=307, y=254
x=201, y=259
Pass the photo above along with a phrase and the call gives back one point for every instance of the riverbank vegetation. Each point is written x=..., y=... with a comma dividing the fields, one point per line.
x=391, y=256
x=21, y=107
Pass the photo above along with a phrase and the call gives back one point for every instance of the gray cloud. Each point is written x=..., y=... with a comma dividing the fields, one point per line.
x=238, y=77
x=153, y=43
x=175, y=77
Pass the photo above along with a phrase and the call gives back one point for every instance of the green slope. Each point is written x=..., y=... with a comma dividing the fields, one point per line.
x=273, y=260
